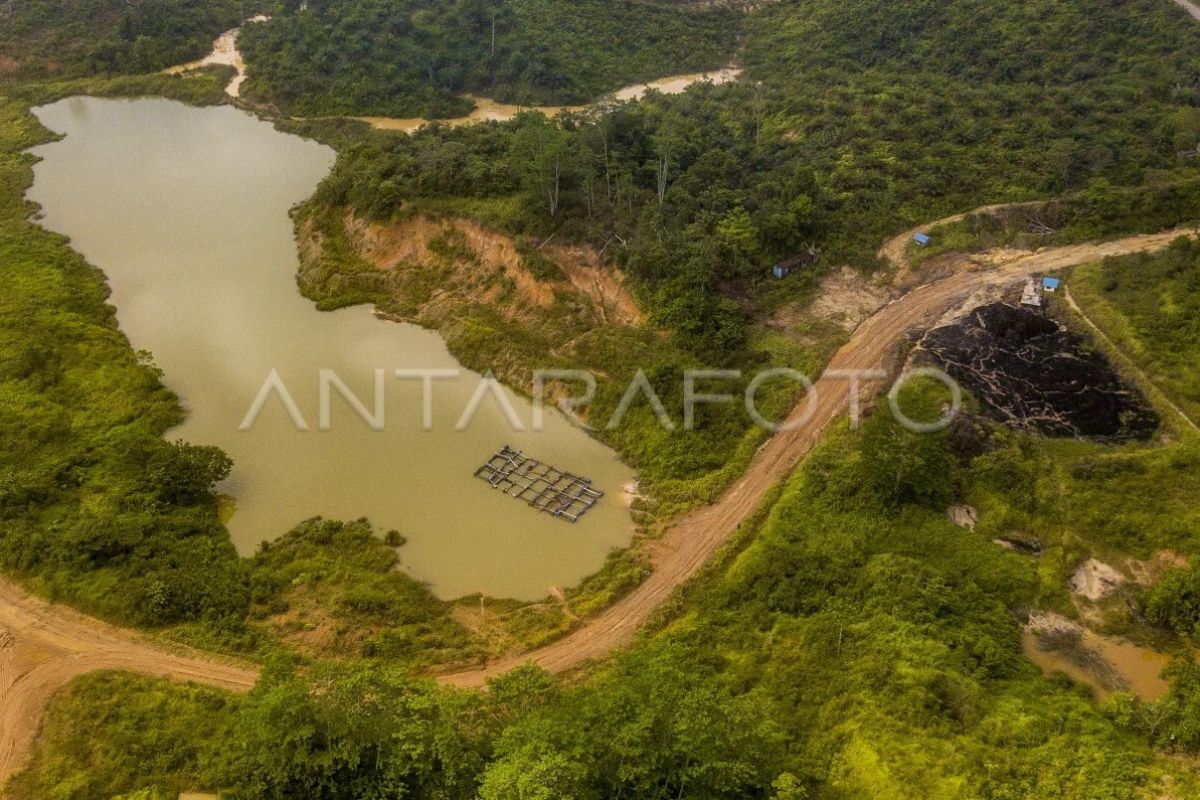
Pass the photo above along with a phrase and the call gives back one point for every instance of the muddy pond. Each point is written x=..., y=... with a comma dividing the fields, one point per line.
x=186, y=211
x=1111, y=664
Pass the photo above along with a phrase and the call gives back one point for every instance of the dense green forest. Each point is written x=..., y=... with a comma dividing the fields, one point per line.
x=413, y=58
x=851, y=642
x=74, y=37
x=698, y=195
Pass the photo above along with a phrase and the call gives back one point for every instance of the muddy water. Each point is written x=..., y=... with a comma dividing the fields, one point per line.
x=491, y=111
x=185, y=210
x=1136, y=666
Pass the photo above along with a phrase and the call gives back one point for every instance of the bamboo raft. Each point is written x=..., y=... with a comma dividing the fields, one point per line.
x=548, y=489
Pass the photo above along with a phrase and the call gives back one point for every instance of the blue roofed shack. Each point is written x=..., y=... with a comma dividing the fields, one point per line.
x=921, y=239
x=1050, y=284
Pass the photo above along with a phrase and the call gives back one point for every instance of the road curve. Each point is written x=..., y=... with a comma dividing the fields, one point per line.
x=685, y=548
x=43, y=647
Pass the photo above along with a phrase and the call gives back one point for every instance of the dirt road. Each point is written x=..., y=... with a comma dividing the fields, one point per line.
x=895, y=249
x=44, y=647
x=694, y=539
x=1190, y=7
x=224, y=53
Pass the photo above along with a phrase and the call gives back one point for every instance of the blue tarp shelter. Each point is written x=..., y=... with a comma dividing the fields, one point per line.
x=788, y=266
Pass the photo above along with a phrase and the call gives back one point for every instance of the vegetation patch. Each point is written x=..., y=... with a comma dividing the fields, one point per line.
x=72, y=38
x=112, y=735
x=333, y=589
x=1147, y=304
x=414, y=58
x=1099, y=212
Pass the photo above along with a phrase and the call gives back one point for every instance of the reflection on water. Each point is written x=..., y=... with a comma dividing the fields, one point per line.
x=185, y=210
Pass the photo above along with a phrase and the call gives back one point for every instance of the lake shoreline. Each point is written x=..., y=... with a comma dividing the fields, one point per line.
x=216, y=348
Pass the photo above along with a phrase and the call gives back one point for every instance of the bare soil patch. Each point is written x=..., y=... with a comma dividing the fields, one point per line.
x=847, y=298
x=1094, y=580
x=603, y=285
x=477, y=264
x=44, y=647
x=1150, y=571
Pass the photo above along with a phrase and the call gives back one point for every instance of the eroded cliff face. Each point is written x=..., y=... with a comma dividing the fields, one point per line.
x=1029, y=372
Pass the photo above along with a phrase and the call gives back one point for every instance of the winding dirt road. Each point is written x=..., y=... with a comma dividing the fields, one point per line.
x=44, y=647
x=685, y=548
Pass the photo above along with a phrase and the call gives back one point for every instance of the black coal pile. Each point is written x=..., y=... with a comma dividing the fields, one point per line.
x=1030, y=373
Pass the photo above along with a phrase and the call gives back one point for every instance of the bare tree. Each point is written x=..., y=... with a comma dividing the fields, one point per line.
x=667, y=141
x=758, y=103
x=544, y=150
x=554, y=187
x=664, y=165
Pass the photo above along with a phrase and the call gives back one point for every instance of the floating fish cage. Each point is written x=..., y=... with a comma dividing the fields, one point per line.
x=548, y=489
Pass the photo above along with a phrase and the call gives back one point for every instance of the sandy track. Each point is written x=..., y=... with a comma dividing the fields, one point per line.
x=895, y=249
x=686, y=547
x=1190, y=7
x=44, y=647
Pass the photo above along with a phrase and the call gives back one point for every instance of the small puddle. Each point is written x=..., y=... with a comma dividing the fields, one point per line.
x=1106, y=664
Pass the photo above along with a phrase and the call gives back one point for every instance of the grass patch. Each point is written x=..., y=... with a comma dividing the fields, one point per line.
x=109, y=734
x=1147, y=304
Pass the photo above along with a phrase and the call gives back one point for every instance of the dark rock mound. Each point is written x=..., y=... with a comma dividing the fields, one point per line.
x=1029, y=372
x=970, y=436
